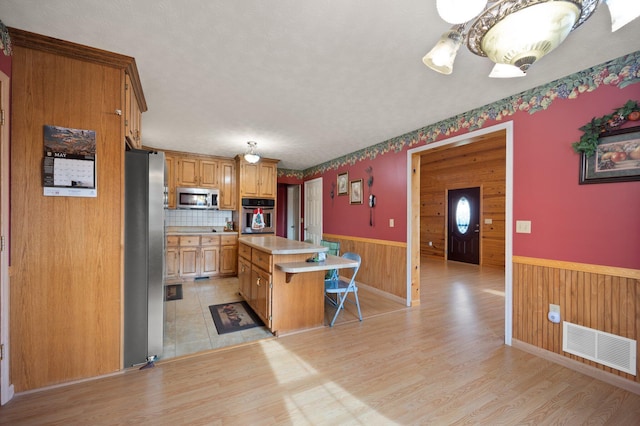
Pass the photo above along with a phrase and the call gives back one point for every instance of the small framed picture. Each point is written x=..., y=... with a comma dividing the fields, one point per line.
x=355, y=195
x=617, y=158
x=343, y=183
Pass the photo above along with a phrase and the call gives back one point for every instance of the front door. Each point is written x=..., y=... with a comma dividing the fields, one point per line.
x=464, y=225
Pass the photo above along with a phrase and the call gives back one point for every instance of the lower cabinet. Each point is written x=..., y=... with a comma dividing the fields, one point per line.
x=192, y=256
x=255, y=283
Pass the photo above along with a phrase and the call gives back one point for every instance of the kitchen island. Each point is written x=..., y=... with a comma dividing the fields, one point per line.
x=281, y=287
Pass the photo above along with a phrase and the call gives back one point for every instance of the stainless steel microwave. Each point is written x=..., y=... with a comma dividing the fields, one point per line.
x=197, y=198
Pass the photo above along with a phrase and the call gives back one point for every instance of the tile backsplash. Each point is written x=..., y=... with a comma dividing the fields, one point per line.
x=196, y=217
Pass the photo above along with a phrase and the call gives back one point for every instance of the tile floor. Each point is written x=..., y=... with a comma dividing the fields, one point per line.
x=188, y=326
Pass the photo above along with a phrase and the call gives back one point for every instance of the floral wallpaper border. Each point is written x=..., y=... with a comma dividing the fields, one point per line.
x=619, y=72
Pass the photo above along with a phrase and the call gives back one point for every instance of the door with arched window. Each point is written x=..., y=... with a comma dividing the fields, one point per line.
x=464, y=225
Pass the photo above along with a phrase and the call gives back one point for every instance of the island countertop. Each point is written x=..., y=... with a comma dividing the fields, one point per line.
x=278, y=245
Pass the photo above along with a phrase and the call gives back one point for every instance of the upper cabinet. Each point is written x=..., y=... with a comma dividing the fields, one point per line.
x=228, y=188
x=170, y=178
x=198, y=172
x=257, y=180
x=132, y=115
x=201, y=171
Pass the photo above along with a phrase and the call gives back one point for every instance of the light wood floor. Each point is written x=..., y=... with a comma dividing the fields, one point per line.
x=441, y=363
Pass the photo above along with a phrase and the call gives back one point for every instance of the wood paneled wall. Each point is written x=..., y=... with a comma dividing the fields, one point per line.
x=384, y=263
x=602, y=298
x=479, y=163
x=66, y=252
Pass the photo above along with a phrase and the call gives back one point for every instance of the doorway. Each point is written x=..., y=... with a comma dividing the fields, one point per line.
x=293, y=212
x=413, y=216
x=463, y=230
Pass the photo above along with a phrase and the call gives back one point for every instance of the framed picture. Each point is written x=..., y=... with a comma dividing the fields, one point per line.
x=355, y=195
x=617, y=158
x=343, y=183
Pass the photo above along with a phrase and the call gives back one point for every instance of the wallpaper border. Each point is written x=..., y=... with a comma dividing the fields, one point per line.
x=620, y=72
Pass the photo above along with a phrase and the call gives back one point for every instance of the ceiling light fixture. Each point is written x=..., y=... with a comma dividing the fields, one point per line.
x=251, y=155
x=515, y=33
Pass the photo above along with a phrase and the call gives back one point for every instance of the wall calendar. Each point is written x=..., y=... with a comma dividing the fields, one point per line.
x=69, y=165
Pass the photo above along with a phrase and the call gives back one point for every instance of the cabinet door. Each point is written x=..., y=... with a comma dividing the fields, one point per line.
x=261, y=293
x=227, y=182
x=244, y=278
x=249, y=180
x=210, y=261
x=208, y=171
x=172, y=263
x=268, y=179
x=171, y=181
x=189, y=261
x=187, y=172
x=132, y=115
x=228, y=260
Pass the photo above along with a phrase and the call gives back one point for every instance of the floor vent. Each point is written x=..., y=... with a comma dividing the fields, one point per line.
x=604, y=348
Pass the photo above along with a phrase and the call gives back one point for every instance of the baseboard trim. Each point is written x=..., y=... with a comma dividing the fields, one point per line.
x=574, y=365
x=381, y=293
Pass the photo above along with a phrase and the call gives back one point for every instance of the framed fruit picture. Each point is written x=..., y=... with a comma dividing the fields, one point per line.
x=617, y=158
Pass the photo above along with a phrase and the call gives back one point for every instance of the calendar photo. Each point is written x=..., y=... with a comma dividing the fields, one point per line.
x=69, y=165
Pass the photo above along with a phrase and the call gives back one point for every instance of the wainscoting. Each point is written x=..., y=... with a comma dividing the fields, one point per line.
x=384, y=263
x=598, y=297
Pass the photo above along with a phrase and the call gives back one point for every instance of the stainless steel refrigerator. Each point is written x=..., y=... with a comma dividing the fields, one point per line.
x=144, y=257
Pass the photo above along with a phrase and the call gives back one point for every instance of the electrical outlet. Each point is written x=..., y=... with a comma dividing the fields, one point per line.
x=554, y=308
x=391, y=223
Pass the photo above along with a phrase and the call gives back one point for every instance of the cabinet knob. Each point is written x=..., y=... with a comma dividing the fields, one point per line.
x=258, y=282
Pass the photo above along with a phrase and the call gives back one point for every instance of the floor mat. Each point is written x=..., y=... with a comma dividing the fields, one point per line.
x=235, y=316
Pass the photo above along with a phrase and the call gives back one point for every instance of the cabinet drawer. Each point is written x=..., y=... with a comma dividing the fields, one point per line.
x=244, y=251
x=228, y=240
x=173, y=240
x=210, y=240
x=190, y=241
x=261, y=259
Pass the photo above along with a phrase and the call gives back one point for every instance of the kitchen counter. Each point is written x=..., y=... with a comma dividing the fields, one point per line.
x=278, y=245
x=198, y=230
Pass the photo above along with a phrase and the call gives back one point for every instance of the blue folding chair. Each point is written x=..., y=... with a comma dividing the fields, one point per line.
x=340, y=289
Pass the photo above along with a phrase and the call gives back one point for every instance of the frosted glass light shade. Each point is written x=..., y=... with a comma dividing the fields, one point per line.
x=525, y=36
x=622, y=12
x=459, y=11
x=441, y=57
x=251, y=156
x=506, y=71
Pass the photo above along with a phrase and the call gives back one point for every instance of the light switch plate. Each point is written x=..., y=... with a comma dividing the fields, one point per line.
x=391, y=223
x=523, y=226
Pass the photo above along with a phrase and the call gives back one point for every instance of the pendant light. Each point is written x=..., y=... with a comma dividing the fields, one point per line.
x=251, y=155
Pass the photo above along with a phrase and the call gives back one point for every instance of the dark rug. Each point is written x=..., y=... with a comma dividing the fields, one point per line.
x=235, y=316
x=173, y=292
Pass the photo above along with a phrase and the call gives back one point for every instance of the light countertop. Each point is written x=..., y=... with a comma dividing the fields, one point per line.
x=198, y=230
x=332, y=262
x=278, y=245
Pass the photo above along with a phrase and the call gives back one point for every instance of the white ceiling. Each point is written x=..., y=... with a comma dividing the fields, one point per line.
x=310, y=81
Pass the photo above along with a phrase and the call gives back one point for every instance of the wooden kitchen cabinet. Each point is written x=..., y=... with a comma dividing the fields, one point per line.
x=244, y=277
x=172, y=258
x=197, y=172
x=228, y=191
x=228, y=254
x=200, y=255
x=170, y=177
x=132, y=115
x=257, y=180
x=261, y=294
x=210, y=255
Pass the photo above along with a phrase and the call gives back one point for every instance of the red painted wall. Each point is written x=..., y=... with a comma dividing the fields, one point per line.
x=5, y=64
x=390, y=188
x=594, y=224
